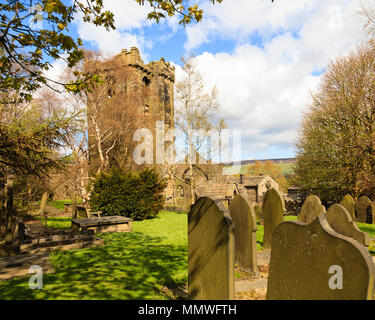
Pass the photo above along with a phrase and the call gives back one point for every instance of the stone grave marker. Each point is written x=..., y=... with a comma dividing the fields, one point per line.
x=363, y=208
x=313, y=262
x=273, y=210
x=244, y=219
x=210, y=251
x=349, y=205
x=340, y=220
x=311, y=209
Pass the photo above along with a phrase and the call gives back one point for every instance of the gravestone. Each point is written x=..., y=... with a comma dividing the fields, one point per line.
x=341, y=222
x=311, y=209
x=313, y=262
x=258, y=211
x=363, y=208
x=273, y=210
x=349, y=205
x=210, y=251
x=245, y=223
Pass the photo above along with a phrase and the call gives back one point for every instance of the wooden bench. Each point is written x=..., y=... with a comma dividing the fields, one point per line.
x=83, y=212
x=103, y=224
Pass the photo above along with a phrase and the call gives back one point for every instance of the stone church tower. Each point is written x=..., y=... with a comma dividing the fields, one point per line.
x=150, y=86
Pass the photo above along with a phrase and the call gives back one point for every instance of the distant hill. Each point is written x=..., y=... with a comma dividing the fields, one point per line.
x=287, y=164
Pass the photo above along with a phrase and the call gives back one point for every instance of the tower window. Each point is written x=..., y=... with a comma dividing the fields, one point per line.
x=146, y=81
x=110, y=93
x=146, y=109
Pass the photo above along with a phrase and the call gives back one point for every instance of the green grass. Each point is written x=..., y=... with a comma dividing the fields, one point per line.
x=129, y=266
x=370, y=229
x=132, y=265
x=287, y=168
x=60, y=204
x=56, y=222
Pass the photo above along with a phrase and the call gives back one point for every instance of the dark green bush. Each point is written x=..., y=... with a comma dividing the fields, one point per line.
x=118, y=192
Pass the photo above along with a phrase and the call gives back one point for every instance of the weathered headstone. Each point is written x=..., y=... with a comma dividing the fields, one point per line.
x=273, y=210
x=245, y=228
x=364, y=210
x=210, y=251
x=349, y=205
x=313, y=262
x=258, y=211
x=311, y=209
x=341, y=222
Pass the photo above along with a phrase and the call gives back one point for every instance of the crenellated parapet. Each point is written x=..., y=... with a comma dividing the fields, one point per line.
x=153, y=69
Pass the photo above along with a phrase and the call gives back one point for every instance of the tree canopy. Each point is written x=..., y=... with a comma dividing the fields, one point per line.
x=27, y=50
x=336, y=146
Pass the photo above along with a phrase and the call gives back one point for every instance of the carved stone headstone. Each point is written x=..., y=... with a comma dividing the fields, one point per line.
x=273, y=210
x=210, y=251
x=341, y=221
x=311, y=262
x=311, y=209
x=349, y=205
x=245, y=228
x=364, y=210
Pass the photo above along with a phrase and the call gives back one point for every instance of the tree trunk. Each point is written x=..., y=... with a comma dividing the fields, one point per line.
x=74, y=206
x=9, y=210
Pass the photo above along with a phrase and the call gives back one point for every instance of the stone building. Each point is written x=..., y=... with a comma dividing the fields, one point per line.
x=148, y=88
x=130, y=84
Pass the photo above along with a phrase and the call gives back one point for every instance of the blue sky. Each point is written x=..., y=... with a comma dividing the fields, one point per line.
x=264, y=57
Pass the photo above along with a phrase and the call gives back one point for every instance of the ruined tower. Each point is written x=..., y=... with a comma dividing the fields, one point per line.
x=130, y=84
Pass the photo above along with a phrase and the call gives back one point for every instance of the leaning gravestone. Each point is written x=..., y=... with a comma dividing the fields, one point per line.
x=210, y=251
x=311, y=262
x=349, y=205
x=273, y=210
x=364, y=210
x=245, y=222
x=311, y=209
x=341, y=221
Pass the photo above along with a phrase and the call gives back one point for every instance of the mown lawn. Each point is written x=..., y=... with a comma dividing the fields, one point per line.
x=60, y=204
x=132, y=265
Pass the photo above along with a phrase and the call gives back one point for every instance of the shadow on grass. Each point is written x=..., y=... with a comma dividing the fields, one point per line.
x=128, y=266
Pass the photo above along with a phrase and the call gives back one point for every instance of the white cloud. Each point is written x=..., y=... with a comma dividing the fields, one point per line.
x=265, y=90
x=129, y=17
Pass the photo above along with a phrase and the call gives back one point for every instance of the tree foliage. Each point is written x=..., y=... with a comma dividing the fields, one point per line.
x=196, y=108
x=271, y=169
x=127, y=193
x=30, y=137
x=27, y=50
x=336, y=146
